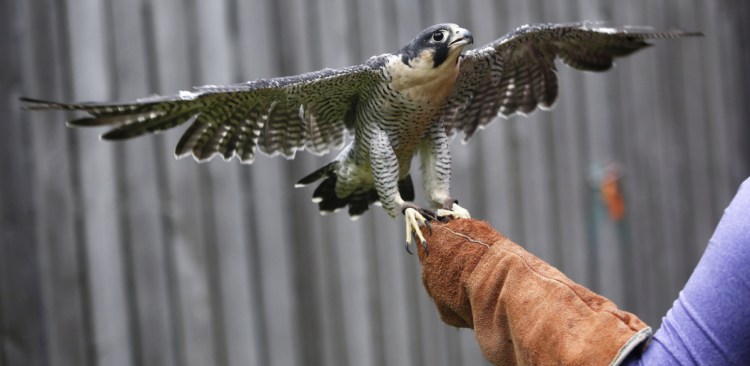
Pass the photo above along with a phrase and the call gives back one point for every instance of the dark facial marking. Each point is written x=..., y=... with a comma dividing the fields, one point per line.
x=441, y=54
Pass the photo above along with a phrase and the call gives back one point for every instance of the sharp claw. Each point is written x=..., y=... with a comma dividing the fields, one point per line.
x=415, y=238
x=424, y=246
x=429, y=227
x=410, y=238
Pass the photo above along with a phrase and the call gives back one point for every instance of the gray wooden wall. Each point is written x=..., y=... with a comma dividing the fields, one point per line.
x=117, y=254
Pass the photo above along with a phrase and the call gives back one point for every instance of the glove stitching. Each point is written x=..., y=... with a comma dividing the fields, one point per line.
x=466, y=237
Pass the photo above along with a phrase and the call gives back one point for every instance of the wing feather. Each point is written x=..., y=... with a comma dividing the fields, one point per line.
x=517, y=73
x=279, y=116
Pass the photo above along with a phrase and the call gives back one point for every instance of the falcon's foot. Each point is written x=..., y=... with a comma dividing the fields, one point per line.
x=455, y=212
x=416, y=216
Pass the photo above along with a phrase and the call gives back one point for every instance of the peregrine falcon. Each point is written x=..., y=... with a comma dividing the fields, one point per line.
x=382, y=112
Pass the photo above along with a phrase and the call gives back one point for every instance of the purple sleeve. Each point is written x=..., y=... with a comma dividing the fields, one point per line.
x=709, y=324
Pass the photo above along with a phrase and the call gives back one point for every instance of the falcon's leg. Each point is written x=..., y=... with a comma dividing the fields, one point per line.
x=436, y=173
x=385, y=172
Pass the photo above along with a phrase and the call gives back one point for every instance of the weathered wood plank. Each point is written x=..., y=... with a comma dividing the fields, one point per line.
x=102, y=233
x=140, y=189
x=330, y=332
x=185, y=225
x=21, y=300
x=638, y=157
x=738, y=11
x=269, y=186
x=489, y=177
x=253, y=50
x=273, y=274
x=227, y=245
x=663, y=181
x=645, y=135
x=721, y=99
x=65, y=297
x=675, y=173
x=362, y=315
x=318, y=31
x=729, y=129
x=545, y=174
x=274, y=244
x=570, y=163
x=387, y=322
x=535, y=175
x=599, y=113
x=696, y=123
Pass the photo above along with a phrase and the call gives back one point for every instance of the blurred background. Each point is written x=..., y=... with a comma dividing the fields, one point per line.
x=118, y=254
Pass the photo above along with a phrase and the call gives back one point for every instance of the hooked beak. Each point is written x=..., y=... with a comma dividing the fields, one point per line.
x=462, y=37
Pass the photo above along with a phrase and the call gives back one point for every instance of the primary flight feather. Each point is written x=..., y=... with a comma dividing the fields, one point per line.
x=386, y=110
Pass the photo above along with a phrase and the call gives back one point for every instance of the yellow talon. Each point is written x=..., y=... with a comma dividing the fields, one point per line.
x=456, y=212
x=413, y=219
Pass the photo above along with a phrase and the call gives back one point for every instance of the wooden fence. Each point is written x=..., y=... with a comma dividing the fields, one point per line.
x=117, y=254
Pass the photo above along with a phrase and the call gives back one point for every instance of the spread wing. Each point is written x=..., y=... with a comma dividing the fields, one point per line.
x=312, y=111
x=516, y=73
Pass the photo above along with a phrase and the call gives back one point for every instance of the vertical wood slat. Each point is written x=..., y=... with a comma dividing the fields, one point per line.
x=102, y=232
x=674, y=180
x=729, y=128
x=723, y=99
x=697, y=124
x=21, y=298
x=739, y=10
x=276, y=269
x=254, y=32
x=355, y=250
x=570, y=166
x=320, y=336
x=185, y=229
x=637, y=94
x=685, y=117
x=236, y=340
x=604, y=262
x=142, y=221
x=147, y=260
x=60, y=272
x=312, y=29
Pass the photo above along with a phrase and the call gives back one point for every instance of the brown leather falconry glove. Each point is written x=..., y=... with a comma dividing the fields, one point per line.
x=523, y=311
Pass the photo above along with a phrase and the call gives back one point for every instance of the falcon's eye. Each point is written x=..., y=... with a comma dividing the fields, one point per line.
x=438, y=36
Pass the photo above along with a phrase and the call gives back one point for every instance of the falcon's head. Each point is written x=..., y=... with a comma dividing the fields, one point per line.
x=436, y=45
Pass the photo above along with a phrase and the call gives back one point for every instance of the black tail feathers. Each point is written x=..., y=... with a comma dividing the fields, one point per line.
x=358, y=202
x=323, y=172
